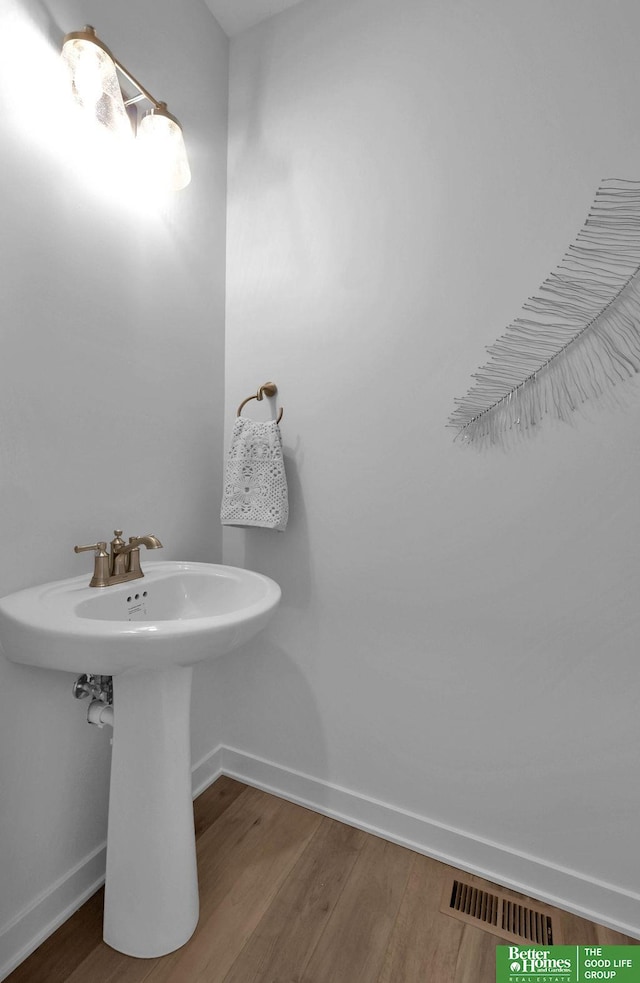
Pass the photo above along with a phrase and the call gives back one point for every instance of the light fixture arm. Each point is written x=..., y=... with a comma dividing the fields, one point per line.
x=142, y=92
x=159, y=107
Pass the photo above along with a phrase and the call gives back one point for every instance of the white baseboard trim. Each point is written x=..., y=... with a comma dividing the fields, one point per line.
x=598, y=901
x=595, y=900
x=35, y=923
x=205, y=771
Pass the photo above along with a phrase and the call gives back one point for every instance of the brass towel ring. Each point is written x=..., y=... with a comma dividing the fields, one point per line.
x=268, y=389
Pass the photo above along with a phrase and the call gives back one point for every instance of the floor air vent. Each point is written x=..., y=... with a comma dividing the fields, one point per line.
x=504, y=914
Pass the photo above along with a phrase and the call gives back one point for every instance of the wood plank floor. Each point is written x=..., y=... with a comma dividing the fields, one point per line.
x=288, y=896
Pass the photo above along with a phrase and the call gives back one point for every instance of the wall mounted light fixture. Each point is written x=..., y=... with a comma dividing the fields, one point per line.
x=109, y=94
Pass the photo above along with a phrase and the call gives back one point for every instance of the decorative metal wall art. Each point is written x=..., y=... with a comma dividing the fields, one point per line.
x=577, y=338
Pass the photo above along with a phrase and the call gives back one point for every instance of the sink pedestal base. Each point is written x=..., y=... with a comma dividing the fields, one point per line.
x=151, y=893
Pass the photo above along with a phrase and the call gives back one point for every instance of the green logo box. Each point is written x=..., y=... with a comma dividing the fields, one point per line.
x=567, y=963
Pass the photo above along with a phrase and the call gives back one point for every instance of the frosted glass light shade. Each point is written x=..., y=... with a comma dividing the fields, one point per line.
x=162, y=147
x=95, y=83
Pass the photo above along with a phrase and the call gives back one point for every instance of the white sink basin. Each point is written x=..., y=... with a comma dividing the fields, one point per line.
x=147, y=634
x=176, y=615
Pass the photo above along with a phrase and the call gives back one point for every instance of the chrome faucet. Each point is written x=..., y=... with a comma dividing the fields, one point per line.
x=122, y=563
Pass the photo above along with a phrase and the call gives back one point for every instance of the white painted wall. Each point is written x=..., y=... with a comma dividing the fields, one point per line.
x=459, y=631
x=111, y=383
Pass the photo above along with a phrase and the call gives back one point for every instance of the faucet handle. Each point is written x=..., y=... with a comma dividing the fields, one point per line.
x=100, y=549
x=100, y=564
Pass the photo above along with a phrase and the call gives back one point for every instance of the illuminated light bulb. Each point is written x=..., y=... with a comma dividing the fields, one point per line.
x=94, y=81
x=164, y=155
x=87, y=72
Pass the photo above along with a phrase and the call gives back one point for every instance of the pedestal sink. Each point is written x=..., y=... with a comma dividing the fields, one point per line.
x=147, y=634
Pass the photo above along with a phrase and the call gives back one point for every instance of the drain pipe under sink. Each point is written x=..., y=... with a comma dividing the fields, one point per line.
x=100, y=713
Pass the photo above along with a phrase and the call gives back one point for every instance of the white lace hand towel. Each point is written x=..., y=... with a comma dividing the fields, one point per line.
x=255, y=484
